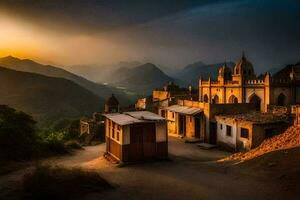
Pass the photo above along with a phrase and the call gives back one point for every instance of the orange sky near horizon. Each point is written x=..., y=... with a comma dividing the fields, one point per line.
x=21, y=39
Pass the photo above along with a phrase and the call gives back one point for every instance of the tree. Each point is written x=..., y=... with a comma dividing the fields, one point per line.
x=17, y=134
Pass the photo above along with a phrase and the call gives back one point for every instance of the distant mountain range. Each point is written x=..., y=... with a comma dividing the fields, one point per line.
x=141, y=79
x=47, y=99
x=97, y=73
x=27, y=65
x=191, y=73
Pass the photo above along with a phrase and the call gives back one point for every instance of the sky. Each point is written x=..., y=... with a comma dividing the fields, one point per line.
x=169, y=33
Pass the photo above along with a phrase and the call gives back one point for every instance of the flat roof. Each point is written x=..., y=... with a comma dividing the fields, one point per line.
x=184, y=109
x=257, y=117
x=127, y=118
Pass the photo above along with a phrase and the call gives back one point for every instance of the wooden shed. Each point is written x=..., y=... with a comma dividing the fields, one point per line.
x=136, y=136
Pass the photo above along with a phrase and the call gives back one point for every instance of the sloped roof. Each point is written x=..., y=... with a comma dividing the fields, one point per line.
x=184, y=109
x=133, y=117
x=145, y=115
x=112, y=101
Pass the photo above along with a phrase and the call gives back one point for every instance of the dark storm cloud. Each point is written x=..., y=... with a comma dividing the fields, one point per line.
x=170, y=32
x=95, y=15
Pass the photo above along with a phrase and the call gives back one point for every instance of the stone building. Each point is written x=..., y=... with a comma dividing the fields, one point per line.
x=173, y=91
x=91, y=128
x=243, y=132
x=195, y=119
x=242, y=86
x=164, y=97
x=112, y=105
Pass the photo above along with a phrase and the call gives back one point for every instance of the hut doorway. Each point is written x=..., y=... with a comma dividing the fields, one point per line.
x=182, y=124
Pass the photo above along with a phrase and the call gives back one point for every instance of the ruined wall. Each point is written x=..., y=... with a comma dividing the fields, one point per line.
x=190, y=126
x=171, y=124
x=216, y=109
x=160, y=95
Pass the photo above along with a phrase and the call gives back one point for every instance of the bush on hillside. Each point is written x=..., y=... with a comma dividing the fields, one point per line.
x=20, y=140
x=18, y=137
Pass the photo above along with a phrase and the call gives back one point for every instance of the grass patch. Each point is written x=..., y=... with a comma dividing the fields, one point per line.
x=48, y=182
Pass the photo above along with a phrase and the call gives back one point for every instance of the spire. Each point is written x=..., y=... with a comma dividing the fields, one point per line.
x=243, y=55
x=292, y=73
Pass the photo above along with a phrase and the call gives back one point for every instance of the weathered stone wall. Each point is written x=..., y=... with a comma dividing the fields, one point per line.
x=190, y=126
x=216, y=109
x=160, y=95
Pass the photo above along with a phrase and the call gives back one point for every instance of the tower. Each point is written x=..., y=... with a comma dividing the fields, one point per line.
x=224, y=74
x=243, y=70
x=112, y=105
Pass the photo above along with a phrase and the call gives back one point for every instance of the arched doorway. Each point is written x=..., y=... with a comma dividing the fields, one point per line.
x=215, y=100
x=205, y=98
x=233, y=99
x=254, y=99
x=281, y=100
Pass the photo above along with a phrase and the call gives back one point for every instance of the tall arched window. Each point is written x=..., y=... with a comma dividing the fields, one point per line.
x=254, y=99
x=233, y=99
x=281, y=100
x=205, y=98
x=215, y=100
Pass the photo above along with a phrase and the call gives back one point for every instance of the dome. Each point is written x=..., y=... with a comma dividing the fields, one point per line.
x=112, y=101
x=225, y=72
x=244, y=67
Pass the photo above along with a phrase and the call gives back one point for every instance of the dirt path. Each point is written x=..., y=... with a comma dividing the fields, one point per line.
x=190, y=174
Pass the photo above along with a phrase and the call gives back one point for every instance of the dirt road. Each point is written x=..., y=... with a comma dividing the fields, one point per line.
x=191, y=173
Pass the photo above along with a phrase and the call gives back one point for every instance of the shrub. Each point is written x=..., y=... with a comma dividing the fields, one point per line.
x=18, y=137
x=60, y=183
x=73, y=144
x=54, y=143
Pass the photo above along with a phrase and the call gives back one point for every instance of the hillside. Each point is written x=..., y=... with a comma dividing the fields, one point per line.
x=192, y=72
x=27, y=65
x=141, y=79
x=47, y=99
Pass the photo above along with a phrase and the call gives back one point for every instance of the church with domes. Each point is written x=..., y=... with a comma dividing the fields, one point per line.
x=241, y=85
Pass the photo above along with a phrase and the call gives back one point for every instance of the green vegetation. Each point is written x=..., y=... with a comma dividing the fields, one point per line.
x=21, y=140
x=60, y=183
x=18, y=137
x=49, y=100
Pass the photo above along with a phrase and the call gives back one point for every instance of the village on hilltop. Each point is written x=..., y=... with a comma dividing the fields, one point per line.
x=236, y=112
